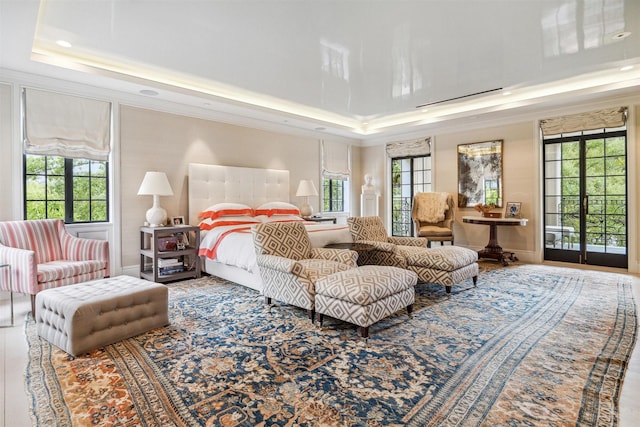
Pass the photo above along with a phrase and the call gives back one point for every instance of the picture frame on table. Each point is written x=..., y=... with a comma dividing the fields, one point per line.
x=512, y=210
x=182, y=240
x=177, y=220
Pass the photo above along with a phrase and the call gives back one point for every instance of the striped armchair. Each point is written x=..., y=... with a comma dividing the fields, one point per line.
x=289, y=266
x=43, y=255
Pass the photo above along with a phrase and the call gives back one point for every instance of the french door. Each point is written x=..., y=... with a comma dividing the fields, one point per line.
x=585, y=199
x=409, y=175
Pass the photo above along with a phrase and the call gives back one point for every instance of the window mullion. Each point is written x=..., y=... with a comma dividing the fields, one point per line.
x=68, y=190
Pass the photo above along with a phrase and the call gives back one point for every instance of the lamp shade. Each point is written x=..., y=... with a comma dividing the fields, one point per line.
x=155, y=184
x=306, y=188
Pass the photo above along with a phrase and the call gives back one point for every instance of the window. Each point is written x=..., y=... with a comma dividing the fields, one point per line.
x=74, y=190
x=333, y=195
x=336, y=171
x=409, y=175
x=67, y=141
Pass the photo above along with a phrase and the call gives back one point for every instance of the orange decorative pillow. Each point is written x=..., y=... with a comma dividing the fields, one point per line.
x=277, y=208
x=220, y=210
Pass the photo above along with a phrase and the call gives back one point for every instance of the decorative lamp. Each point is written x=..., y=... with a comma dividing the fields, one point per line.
x=155, y=184
x=306, y=189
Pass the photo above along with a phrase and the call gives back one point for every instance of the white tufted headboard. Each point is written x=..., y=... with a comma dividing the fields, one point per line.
x=209, y=184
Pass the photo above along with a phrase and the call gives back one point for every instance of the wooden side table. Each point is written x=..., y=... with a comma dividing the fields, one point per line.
x=151, y=255
x=353, y=246
x=493, y=250
x=320, y=219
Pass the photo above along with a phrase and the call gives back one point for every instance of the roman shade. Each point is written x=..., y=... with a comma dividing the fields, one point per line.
x=336, y=160
x=606, y=118
x=420, y=147
x=66, y=125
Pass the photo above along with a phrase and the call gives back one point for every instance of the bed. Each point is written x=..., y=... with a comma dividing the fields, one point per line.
x=227, y=201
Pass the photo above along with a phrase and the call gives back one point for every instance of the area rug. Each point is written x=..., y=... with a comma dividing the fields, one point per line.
x=530, y=345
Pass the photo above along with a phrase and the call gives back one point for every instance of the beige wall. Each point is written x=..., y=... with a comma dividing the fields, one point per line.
x=151, y=140
x=521, y=183
x=6, y=129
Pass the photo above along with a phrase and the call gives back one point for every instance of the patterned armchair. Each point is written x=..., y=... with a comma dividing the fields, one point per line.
x=43, y=255
x=432, y=216
x=445, y=265
x=370, y=230
x=289, y=266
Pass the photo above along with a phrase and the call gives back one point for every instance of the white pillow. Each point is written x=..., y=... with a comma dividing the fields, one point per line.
x=280, y=218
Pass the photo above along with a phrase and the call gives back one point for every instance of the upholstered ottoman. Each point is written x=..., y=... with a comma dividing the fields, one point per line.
x=79, y=318
x=365, y=295
x=445, y=265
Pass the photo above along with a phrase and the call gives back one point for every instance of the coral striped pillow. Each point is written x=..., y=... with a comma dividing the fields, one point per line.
x=226, y=209
x=277, y=208
x=209, y=224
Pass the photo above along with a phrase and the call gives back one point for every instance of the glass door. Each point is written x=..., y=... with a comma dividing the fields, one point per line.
x=409, y=175
x=585, y=199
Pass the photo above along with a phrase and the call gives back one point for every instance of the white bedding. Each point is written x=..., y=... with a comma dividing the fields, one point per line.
x=235, y=244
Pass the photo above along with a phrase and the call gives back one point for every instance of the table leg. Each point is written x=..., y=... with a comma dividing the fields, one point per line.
x=493, y=250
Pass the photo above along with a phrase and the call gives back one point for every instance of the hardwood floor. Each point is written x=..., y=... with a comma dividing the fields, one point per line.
x=14, y=411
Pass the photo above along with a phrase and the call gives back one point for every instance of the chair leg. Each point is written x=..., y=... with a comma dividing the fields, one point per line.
x=364, y=331
x=441, y=242
x=475, y=281
x=267, y=300
x=410, y=309
x=319, y=318
x=33, y=306
x=448, y=289
x=311, y=314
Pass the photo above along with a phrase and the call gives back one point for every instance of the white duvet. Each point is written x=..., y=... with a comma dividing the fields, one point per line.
x=233, y=245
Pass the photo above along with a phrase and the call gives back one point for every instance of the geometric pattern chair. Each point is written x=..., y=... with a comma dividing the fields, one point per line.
x=446, y=265
x=289, y=266
x=370, y=230
x=43, y=255
x=432, y=216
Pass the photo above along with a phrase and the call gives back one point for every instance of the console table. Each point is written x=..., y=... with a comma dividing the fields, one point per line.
x=493, y=250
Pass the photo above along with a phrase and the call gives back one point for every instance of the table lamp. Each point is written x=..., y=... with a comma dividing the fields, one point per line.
x=155, y=184
x=306, y=189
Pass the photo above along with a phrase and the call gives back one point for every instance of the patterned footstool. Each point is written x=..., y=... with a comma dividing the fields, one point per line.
x=445, y=265
x=365, y=295
x=79, y=318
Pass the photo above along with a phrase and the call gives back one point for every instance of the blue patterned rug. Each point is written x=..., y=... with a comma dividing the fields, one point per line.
x=531, y=345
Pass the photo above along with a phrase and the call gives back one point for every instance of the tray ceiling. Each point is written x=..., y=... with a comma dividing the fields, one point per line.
x=356, y=68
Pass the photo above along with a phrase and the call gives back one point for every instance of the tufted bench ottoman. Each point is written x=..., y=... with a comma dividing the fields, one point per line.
x=365, y=295
x=445, y=265
x=79, y=318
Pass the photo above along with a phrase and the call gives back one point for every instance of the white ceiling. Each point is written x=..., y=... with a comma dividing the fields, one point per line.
x=353, y=68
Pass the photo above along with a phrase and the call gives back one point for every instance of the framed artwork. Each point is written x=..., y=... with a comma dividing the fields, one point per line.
x=177, y=220
x=480, y=174
x=512, y=210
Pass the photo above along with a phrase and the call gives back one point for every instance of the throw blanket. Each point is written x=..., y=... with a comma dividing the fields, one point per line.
x=431, y=207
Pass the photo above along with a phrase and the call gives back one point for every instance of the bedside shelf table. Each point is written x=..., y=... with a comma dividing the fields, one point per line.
x=172, y=263
x=320, y=219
